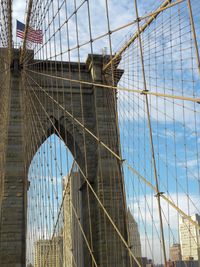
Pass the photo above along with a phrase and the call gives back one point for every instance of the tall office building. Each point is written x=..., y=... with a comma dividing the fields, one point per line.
x=49, y=253
x=134, y=236
x=175, y=252
x=72, y=235
x=190, y=238
x=67, y=226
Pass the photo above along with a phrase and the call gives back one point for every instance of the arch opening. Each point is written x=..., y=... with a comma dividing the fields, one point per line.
x=47, y=174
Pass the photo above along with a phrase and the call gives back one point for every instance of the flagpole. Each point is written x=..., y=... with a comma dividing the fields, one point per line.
x=30, y=4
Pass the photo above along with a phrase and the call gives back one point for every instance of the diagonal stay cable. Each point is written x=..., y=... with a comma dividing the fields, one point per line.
x=118, y=157
x=178, y=97
x=78, y=122
x=108, y=216
x=171, y=203
x=92, y=190
x=62, y=203
x=135, y=36
x=83, y=233
x=76, y=215
x=30, y=4
x=107, y=33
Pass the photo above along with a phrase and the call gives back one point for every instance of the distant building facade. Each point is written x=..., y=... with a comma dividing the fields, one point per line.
x=190, y=238
x=72, y=235
x=67, y=224
x=189, y=263
x=49, y=253
x=175, y=252
x=134, y=236
x=145, y=262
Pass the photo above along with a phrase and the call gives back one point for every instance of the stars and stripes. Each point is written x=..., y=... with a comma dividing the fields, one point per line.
x=34, y=36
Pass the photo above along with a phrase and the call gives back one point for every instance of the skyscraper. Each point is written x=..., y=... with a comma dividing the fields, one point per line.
x=134, y=236
x=190, y=238
x=175, y=252
x=72, y=235
x=49, y=252
x=67, y=227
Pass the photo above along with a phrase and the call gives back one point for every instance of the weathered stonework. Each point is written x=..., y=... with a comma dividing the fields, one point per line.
x=12, y=226
x=103, y=169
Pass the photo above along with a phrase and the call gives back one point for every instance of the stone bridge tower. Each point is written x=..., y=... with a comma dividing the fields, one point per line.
x=98, y=114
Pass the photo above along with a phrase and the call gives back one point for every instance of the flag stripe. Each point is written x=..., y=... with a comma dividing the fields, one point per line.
x=34, y=36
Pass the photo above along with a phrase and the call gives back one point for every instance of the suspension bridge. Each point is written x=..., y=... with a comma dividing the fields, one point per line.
x=99, y=139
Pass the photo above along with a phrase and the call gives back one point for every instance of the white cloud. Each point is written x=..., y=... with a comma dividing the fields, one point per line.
x=193, y=163
x=131, y=106
x=18, y=13
x=145, y=211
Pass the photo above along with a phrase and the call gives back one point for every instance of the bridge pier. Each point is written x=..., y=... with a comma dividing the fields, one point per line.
x=103, y=169
x=13, y=180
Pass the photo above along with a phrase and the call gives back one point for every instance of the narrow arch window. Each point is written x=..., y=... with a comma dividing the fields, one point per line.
x=47, y=179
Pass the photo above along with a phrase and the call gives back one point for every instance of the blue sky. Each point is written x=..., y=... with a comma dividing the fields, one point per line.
x=170, y=67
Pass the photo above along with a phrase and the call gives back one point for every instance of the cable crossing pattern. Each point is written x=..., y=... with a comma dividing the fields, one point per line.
x=99, y=140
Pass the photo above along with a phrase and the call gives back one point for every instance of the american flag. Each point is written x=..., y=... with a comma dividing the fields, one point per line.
x=34, y=36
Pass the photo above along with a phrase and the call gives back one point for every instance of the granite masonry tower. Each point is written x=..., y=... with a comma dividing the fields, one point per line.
x=99, y=107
